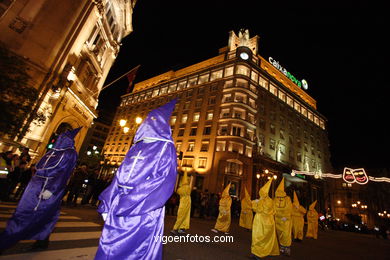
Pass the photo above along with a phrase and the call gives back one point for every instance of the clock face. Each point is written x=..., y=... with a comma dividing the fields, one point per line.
x=244, y=55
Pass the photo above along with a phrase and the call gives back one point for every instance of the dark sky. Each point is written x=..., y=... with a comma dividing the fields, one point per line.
x=339, y=48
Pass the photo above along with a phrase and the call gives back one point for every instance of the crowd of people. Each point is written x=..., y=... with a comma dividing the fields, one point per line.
x=84, y=183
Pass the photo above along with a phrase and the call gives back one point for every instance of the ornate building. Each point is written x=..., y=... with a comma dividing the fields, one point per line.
x=70, y=47
x=240, y=118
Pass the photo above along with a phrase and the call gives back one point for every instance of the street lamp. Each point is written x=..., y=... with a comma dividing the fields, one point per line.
x=122, y=122
x=138, y=120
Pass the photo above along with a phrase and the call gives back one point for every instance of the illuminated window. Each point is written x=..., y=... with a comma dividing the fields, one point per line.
x=228, y=84
x=216, y=75
x=237, y=130
x=196, y=116
x=263, y=82
x=184, y=118
x=187, y=162
x=233, y=167
x=210, y=115
x=198, y=103
x=290, y=101
x=223, y=130
x=192, y=81
x=173, y=120
x=220, y=147
x=178, y=146
x=248, y=151
x=163, y=90
x=236, y=147
x=273, y=89
x=228, y=71
x=172, y=87
x=203, y=78
x=282, y=95
x=202, y=162
x=211, y=101
x=191, y=147
x=227, y=98
x=240, y=98
x=225, y=113
x=182, y=85
x=271, y=144
x=243, y=70
x=254, y=76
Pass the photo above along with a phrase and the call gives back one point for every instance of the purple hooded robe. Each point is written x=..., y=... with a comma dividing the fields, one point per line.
x=134, y=202
x=35, y=217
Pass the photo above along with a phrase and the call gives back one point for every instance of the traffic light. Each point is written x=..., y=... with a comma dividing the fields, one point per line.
x=52, y=140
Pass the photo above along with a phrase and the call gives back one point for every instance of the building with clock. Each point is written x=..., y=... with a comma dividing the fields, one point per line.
x=239, y=119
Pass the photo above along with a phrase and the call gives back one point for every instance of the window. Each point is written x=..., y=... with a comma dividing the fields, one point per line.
x=181, y=132
x=202, y=162
x=243, y=70
x=271, y=144
x=220, y=146
x=192, y=81
x=236, y=147
x=203, y=78
x=228, y=71
x=187, y=105
x=207, y=130
x=178, y=146
x=205, y=146
x=290, y=101
x=187, y=162
x=184, y=118
x=233, y=167
x=223, y=130
x=155, y=92
x=272, y=129
x=196, y=116
x=254, y=76
x=216, y=75
x=228, y=84
x=172, y=87
x=242, y=83
x=211, y=101
x=191, y=146
x=263, y=82
x=173, y=120
x=227, y=98
x=273, y=89
x=248, y=151
x=237, y=131
x=210, y=115
x=240, y=98
x=193, y=131
x=299, y=157
x=181, y=85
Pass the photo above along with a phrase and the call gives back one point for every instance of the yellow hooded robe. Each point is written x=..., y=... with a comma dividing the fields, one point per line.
x=264, y=241
x=224, y=218
x=183, y=213
x=246, y=216
x=297, y=218
x=312, y=221
x=283, y=215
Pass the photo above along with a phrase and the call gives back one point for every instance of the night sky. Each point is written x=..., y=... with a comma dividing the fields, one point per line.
x=339, y=48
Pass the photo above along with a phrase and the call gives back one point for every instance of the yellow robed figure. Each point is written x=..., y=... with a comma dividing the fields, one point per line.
x=264, y=240
x=224, y=217
x=283, y=218
x=183, y=213
x=246, y=216
x=312, y=221
x=297, y=219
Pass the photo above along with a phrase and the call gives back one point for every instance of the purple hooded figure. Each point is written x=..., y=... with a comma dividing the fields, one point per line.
x=133, y=205
x=38, y=210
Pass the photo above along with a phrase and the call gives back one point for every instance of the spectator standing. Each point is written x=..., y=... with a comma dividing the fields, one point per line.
x=76, y=184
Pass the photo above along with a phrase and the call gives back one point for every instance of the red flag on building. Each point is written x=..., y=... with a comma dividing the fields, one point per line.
x=130, y=77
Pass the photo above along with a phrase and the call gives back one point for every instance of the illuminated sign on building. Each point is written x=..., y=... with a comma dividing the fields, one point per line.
x=302, y=84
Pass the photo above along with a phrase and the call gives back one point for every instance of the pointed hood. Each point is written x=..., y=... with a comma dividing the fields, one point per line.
x=265, y=189
x=246, y=202
x=225, y=192
x=184, y=179
x=280, y=190
x=156, y=123
x=247, y=196
x=311, y=207
x=66, y=140
x=296, y=201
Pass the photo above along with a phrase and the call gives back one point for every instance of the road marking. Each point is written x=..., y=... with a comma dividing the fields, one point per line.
x=61, y=217
x=86, y=253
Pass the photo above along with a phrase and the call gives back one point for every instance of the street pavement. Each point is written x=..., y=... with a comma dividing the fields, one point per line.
x=77, y=233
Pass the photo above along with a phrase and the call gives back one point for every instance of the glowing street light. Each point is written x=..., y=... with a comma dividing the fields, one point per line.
x=126, y=129
x=122, y=122
x=339, y=202
x=138, y=120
